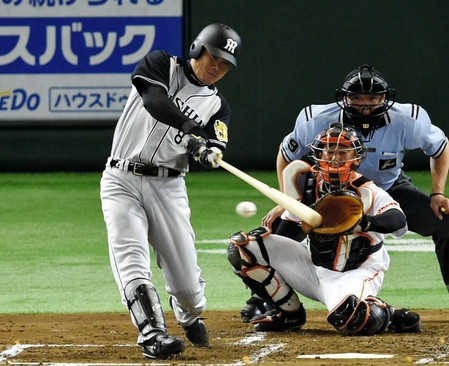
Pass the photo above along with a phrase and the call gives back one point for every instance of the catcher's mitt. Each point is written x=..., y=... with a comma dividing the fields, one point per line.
x=342, y=211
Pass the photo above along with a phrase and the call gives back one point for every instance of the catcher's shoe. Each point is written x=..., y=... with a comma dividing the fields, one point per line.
x=404, y=321
x=255, y=306
x=162, y=346
x=279, y=320
x=197, y=333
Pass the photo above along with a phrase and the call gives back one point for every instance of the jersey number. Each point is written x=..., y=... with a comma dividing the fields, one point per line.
x=179, y=136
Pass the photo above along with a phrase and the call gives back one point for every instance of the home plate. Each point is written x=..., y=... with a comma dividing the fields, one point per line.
x=346, y=355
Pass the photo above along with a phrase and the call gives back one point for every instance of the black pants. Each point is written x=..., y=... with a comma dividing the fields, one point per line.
x=422, y=220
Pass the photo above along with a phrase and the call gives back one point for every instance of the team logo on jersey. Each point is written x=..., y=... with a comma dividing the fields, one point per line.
x=385, y=207
x=221, y=130
x=387, y=164
x=293, y=145
x=230, y=45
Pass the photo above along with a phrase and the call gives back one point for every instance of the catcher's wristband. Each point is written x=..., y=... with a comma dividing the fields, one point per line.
x=436, y=194
x=366, y=228
x=365, y=224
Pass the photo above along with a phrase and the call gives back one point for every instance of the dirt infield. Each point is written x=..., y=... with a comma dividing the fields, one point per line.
x=110, y=339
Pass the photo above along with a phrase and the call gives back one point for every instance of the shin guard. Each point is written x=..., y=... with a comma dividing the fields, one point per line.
x=145, y=308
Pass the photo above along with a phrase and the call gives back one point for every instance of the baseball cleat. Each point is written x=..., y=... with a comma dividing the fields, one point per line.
x=279, y=320
x=162, y=346
x=197, y=333
x=255, y=306
x=404, y=321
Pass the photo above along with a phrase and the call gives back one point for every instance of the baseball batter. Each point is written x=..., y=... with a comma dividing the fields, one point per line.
x=343, y=272
x=174, y=111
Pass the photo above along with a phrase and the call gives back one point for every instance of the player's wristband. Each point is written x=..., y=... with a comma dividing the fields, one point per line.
x=365, y=224
x=436, y=194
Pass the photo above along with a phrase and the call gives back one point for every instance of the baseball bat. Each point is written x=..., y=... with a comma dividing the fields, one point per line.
x=297, y=208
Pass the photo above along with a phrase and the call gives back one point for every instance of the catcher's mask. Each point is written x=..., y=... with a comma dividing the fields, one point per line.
x=365, y=80
x=220, y=40
x=338, y=152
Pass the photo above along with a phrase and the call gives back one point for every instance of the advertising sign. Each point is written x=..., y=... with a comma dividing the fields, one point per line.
x=72, y=59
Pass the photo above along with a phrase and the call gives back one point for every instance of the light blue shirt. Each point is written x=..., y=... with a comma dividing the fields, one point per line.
x=408, y=127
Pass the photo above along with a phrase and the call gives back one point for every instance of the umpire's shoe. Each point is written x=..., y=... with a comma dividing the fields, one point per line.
x=254, y=307
x=404, y=321
x=197, y=333
x=162, y=346
x=279, y=320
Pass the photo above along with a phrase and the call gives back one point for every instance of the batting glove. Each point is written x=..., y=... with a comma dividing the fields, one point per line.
x=209, y=157
x=195, y=145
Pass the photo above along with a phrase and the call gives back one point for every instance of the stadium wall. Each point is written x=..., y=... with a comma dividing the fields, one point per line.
x=295, y=53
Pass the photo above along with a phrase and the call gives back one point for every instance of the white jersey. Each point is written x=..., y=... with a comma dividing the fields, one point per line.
x=408, y=127
x=330, y=270
x=139, y=137
x=347, y=253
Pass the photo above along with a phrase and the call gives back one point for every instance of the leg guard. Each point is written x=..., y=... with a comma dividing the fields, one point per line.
x=261, y=279
x=275, y=286
x=260, y=301
x=379, y=317
x=361, y=317
x=259, y=293
x=287, y=311
x=145, y=308
x=242, y=257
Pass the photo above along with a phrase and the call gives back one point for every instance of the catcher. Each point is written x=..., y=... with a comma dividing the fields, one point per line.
x=341, y=263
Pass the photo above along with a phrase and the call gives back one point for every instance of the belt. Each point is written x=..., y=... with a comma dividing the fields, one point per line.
x=149, y=170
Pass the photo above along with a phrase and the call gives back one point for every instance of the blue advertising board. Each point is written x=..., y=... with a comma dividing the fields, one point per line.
x=72, y=59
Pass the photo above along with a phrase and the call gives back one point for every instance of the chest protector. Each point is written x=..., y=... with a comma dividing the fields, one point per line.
x=358, y=248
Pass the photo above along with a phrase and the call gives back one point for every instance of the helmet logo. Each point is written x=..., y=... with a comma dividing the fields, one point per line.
x=230, y=45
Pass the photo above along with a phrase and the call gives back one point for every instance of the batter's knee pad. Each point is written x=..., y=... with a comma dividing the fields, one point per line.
x=360, y=317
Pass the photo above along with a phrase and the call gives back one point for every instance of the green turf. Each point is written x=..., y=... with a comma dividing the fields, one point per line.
x=54, y=256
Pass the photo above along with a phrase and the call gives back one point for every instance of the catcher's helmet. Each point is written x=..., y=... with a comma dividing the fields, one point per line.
x=338, y=152
x=365, y=80
x=220, y=40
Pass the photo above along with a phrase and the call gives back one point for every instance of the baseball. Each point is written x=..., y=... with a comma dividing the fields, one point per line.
x=246, y=209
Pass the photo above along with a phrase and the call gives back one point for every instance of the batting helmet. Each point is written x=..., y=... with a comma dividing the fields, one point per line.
x=365, y=80
x=220, y=40
x=338, y=152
